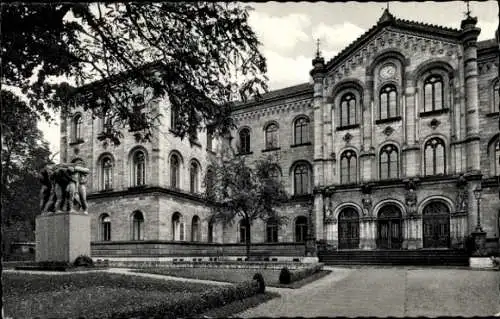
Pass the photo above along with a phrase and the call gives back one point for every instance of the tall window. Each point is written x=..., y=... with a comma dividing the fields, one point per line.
x=271, y=136
x=210, y=232
x=348, y=167
x=137, y=225
x=210, y=139
x=388, y=102
x=77, y=128
x=434, y=159
x=272, y=231
x=301, y=129
x=105, y=228
x=139, y=160
x=497, y=158
x=194, y=172
x=245, y=141
x=106, y=122
x=300, y=229
x=106, y=173
x=174, y=117
x=195, y=229
x=301, y=179
x=433, y=93
x=209, y=181
x=389, y=163
x=347, y=110
x=177, y=227
x=496, y=97
x=174, y=171
x=244, y=232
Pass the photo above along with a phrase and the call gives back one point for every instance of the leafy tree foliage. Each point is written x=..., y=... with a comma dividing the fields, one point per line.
x=134, y=54
x=239, y=190
x=24, y=153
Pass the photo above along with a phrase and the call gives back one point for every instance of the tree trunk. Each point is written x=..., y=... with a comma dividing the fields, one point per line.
x=247, y=238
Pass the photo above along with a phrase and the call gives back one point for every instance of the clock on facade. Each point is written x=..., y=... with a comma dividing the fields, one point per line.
x=387, y=71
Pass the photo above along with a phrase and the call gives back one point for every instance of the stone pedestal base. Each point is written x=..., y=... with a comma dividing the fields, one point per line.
x=62, y=237
x=479, y=241
x=481, y=262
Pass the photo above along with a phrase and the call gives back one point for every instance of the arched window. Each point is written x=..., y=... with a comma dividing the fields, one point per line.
x=388, y=102
x=244, y=232
x=106, y=173
x=348, y=167
x=435, y=158
x=195, y=229
x=301, y=179
x=272, y=231
x=177, y=227
x=174, y=171
x=139, y=168
x=105, y=233
x=496, y=97
x=389, y=162
x=433, y=93
x=300, y=229
x=137, y=225
x=209, y=182
x=174, y=117
x=245, y=141
x=272, y=136
x=194, y=172
x=347, y=109
x=77, y=128
x=301, y=131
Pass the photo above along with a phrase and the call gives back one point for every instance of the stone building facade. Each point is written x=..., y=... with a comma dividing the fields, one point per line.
x=383, y=149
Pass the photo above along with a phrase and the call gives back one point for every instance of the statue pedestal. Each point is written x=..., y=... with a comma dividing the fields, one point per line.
x=62, y=237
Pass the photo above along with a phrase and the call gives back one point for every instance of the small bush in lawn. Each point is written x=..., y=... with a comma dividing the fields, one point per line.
x=83, y=261
x=260, y=280
x=285, y=276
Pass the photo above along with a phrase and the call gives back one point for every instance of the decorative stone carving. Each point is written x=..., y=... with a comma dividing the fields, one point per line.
x=411, y=197
x=347, y=138
x=63, y=186
x=462, y=201
x=434, y=123
x=388, y=130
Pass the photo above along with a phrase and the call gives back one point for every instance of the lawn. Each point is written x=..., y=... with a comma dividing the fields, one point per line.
x=235, y=275
x=92, y=295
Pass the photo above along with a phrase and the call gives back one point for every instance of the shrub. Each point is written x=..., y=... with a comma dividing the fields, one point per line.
x=302, y=273
x=260, y=280
x=285, y=276
x=83, y=261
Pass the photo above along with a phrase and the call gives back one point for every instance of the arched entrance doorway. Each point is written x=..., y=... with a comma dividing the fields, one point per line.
x=348, y=229
x=389, y=227
x=436, y=225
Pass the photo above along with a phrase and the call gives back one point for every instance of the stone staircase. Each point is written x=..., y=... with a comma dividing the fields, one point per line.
x=441, y=257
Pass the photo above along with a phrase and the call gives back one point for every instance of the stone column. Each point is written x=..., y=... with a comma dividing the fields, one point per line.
x=469, y=41
x=318, y=216
x=328, y=131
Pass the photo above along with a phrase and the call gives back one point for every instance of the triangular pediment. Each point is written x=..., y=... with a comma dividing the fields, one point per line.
x=392, y=32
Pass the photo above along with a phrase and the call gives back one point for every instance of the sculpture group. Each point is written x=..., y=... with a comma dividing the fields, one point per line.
x=63, y=186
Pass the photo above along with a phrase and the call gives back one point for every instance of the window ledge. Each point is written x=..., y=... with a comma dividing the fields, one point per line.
x=246, y=153
x=131, y=188
x=347, y=127
x=302, y=144
x=388, y=120
x=492, y=114
x=195, y=143
x=271, y=149
x=78, y=141
x=108, y=190
x=434, y=112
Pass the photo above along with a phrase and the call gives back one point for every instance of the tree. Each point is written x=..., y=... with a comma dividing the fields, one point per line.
x=238, y=190
x=24, y=153
x=185, y=51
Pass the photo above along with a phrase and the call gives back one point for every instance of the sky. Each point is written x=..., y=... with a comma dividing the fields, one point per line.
x=288, y=32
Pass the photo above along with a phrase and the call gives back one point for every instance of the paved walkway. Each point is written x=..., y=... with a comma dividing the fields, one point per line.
x=389, y=291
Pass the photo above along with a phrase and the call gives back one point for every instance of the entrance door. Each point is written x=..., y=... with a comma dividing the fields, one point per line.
x=436, y=225
x=389, y=234
x=348, y=229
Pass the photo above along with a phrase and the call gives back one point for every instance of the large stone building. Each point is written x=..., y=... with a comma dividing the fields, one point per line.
x=384, y=149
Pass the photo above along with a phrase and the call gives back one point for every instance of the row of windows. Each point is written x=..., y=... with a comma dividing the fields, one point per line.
x=434, y=161
x=301, y=129
x=137, y=229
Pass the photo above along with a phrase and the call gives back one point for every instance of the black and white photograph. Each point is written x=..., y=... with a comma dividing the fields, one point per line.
x=250, y=159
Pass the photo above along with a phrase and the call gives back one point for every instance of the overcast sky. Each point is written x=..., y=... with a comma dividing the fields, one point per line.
x=288, y=32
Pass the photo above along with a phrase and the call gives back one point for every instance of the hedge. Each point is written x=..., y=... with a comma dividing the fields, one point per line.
x=289, y=276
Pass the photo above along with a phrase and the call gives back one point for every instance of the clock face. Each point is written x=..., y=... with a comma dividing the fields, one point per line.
x=387, y=71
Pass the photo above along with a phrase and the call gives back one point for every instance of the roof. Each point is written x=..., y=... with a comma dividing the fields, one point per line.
x=286, y=92
x=486, y=44
x=387, y=19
